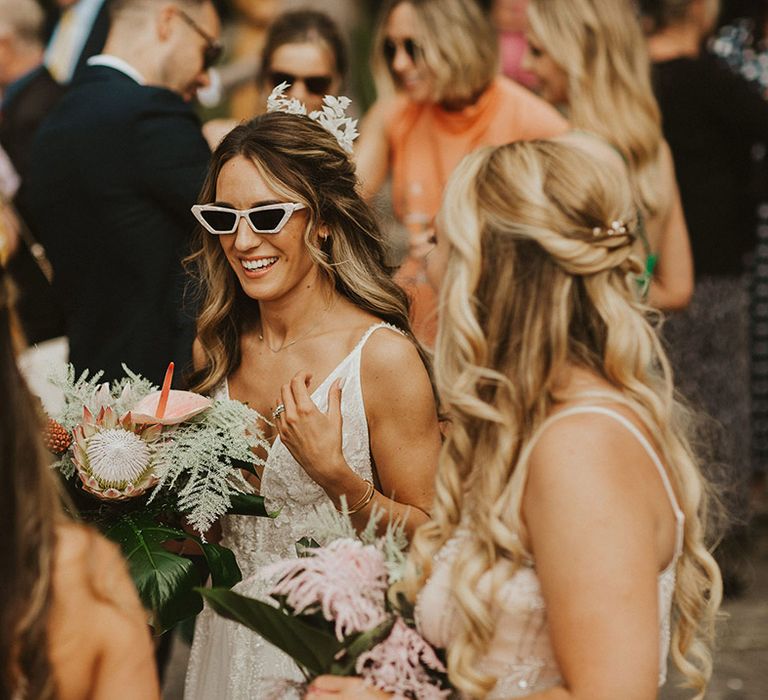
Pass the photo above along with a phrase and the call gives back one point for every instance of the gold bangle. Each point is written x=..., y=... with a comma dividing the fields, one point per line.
x=364, y=501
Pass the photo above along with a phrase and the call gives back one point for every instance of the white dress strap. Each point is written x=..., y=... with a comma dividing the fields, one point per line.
x=615, y=415
x=374, y=328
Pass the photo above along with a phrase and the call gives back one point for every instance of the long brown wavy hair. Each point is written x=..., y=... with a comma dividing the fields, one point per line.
x=529, y=291
x=304, y=163
x=29, y=511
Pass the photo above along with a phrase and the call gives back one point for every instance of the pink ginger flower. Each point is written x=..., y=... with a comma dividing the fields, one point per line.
x=346, y=580
x=398, y=665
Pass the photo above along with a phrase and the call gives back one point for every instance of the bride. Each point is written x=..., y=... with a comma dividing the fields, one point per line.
x=302, y=321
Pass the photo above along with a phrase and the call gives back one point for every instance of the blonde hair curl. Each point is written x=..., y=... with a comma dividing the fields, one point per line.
x=529, y=290
x=599, y=44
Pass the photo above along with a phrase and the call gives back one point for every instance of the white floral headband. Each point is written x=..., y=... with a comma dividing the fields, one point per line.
x=331, y=117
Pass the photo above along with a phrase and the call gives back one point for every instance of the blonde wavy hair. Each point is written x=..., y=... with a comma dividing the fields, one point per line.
x=530, y=290
x=599, y=44
x=458, y=44
x=301, y=162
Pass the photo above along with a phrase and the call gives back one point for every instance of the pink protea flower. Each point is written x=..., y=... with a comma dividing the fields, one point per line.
x=346, y=580
x=398, y=665
x=112, y=455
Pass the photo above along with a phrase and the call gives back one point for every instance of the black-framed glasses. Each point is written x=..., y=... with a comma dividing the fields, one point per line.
x=268, y=218
x=213, y=49
x=410, y=47
x=316, y=84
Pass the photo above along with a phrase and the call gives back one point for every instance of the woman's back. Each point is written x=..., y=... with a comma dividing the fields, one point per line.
x=521, y=653
x=98, y=636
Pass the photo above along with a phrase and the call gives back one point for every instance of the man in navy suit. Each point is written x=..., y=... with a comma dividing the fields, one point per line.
x=113, y=173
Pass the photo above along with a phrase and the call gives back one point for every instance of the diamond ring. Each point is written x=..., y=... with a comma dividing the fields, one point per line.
x=280, y=408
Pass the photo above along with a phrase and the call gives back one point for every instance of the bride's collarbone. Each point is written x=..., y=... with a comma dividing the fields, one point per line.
x=259, y=379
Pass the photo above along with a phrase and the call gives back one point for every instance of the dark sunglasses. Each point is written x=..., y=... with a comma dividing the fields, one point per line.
x=316, y=84
x=213, y=49
x=268, y=218
x=413, y=50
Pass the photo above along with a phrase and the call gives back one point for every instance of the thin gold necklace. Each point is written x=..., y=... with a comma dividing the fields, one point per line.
x=302, y=336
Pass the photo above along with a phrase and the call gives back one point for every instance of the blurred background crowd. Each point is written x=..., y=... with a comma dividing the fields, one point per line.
x=97, y=177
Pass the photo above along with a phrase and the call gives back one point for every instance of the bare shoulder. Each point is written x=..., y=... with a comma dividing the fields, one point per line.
x=390, y=351
x=589, y=457
x=393, y=372
x=86, y=559
x=79, y=547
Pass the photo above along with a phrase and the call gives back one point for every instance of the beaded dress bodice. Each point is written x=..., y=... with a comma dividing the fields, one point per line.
x=286, y=486
x=228, y=661
x=521, y=654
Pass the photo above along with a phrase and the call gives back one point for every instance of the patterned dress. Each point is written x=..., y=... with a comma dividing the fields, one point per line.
x=229, y=661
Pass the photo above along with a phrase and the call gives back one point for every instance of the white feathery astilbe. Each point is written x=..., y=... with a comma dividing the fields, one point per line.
x=197, y=459
x=82, y=390
x=78, y=391
x=327, y=524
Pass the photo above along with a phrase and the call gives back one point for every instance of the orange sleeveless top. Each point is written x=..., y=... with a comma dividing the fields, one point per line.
x=427, y=142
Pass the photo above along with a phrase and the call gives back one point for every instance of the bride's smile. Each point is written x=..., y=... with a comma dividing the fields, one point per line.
x=268, y=265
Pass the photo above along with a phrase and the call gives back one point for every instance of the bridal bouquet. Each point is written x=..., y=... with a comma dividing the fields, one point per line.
x=153, y=470
x=329, y=609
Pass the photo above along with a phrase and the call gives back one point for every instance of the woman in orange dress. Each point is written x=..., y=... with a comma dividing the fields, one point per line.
x=441, y=58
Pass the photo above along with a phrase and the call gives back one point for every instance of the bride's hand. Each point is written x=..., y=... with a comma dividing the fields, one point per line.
x=325, y=687
x=311, y=436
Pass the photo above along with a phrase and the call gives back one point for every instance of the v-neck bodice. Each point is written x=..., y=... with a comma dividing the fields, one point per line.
x=229, y=661
x=286, y=486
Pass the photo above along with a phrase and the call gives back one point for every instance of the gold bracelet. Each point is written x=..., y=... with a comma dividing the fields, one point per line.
x=364, y=501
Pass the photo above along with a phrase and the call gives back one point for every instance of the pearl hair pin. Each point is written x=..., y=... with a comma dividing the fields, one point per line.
x=617, y=228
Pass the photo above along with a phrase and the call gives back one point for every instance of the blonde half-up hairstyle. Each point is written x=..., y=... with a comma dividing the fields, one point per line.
x=599, y=44
x=302, y=162
x=539, y=279
x=458, y=44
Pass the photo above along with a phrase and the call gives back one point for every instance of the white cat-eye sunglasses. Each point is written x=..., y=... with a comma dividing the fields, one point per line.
x=268, y=218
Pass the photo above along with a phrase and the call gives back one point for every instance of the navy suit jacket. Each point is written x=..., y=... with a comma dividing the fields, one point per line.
x=113, y=173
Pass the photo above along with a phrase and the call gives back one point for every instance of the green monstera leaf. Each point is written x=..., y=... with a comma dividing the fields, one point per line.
x=248, y=504
x=313, y=649
x=166, y=581
x=308, y=639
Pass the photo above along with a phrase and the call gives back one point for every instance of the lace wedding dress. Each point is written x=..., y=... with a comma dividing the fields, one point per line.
x=228, y=661
x=520, y=653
